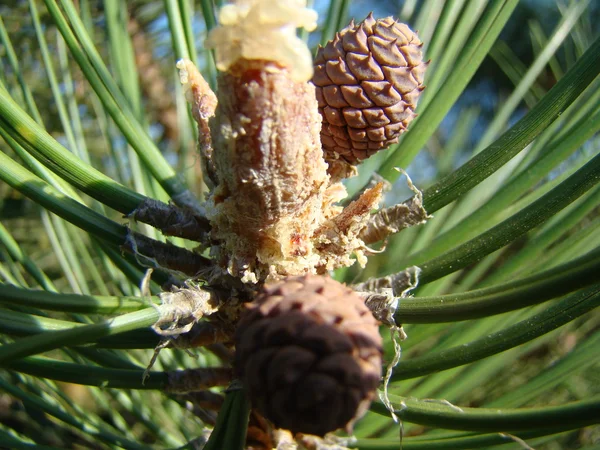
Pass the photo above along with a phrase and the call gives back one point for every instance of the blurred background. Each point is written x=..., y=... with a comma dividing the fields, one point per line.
x=160, y=105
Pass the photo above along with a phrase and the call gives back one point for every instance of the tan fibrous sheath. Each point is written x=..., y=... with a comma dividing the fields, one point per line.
x=269, y=164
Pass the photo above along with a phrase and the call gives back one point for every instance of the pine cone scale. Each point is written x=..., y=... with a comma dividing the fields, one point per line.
x=309, y=353
x=375, y=66
x=294, y=361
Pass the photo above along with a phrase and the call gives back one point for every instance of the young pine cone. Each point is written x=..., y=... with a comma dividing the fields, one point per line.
x=308, y=351
x=368, y=80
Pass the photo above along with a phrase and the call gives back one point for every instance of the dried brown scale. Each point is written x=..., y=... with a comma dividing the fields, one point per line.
x=171, y=219
x=204, y=334
x=259, y=434
x=394, y=219
x=164, y=254
x=199, y=379
x=309, y=354
x=368, y=80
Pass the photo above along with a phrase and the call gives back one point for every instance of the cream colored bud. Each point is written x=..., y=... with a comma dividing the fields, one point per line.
x=264, y=30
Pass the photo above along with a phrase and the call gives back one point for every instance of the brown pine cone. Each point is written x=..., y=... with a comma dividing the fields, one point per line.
x=308, y=351
x=368, y=80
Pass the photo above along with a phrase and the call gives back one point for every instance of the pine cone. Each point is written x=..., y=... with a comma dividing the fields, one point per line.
x=308, y=351
x=368, y=81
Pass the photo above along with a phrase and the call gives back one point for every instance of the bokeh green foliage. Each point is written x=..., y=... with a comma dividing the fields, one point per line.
x=502, y=334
